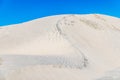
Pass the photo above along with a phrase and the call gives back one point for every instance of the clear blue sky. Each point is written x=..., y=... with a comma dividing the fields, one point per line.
x=17, y=11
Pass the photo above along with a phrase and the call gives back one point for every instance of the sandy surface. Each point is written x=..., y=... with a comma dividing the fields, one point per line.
x=63, y=47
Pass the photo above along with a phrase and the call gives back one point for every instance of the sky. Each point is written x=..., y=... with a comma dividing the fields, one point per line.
x=18, y=11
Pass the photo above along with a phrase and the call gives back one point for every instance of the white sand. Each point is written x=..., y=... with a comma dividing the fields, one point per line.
x=69, y=47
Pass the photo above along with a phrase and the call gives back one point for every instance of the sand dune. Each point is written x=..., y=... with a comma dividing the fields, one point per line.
x=62, y=47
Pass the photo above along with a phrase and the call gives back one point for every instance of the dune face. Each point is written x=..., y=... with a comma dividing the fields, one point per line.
x=63, y=47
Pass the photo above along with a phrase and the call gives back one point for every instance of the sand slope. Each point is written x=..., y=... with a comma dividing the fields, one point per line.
x=80, y=46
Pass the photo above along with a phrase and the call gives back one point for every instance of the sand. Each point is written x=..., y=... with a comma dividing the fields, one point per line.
x=61, y=47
